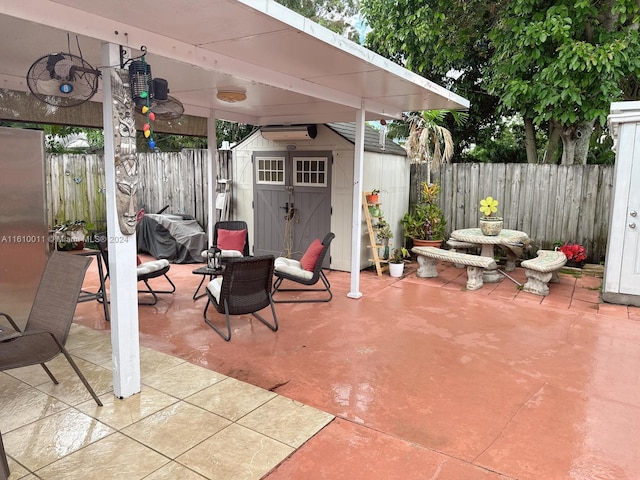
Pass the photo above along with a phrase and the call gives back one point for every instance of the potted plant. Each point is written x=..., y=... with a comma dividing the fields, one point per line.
x=383, y=234
x=373, y=196
x=425, y=223
x=70, y=235
x=397, y=260
x=576, y=254
x=490, y=224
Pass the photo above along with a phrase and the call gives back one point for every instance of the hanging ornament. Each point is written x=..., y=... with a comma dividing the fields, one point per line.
x=146, y=110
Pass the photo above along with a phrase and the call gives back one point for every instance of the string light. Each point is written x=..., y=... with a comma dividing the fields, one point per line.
x=146, y=109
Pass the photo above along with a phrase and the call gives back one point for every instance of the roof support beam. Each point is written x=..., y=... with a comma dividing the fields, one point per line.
x=18, y=106
x=125, y=343
x=356, y=227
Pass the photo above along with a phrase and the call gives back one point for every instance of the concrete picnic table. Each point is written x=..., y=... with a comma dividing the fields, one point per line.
x=512, y=241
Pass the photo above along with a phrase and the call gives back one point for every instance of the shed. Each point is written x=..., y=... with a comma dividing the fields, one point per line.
x=282, y=192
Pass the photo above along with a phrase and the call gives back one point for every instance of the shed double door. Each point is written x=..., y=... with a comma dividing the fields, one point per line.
x=292, y=201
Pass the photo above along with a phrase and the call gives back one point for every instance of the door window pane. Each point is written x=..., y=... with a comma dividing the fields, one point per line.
x=270, y=170
x=310, y=171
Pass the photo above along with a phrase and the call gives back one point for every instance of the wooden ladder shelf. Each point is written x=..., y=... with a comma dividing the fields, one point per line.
x=381, y=264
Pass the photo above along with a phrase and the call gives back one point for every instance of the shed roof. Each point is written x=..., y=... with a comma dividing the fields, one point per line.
x=371, y=138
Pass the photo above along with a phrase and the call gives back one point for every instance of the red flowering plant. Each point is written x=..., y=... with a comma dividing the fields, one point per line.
x=574, y=251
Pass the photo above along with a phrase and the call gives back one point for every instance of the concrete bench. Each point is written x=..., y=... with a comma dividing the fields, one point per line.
x=542, y=270
x=461, y=247
x=428, y=258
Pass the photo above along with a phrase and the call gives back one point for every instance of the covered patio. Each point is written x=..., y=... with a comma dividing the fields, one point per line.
x=248, y=61
x=422, y=380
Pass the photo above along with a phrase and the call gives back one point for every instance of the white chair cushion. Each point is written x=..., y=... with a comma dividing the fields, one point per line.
x=292, y=267
x=230, y=253
x=152, y=266
x=214, y=286
x=224, y=253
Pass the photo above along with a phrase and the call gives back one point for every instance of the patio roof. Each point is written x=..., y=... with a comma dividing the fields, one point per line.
x=293, y=70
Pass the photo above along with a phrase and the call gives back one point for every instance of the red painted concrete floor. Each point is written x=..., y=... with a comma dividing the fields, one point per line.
x=430, y=381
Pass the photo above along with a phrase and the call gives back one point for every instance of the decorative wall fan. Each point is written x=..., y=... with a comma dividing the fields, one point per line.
x=62, y=79
x=158, y=100
x=168, y=109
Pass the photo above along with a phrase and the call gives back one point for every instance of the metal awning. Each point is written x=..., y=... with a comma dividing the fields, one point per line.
x=292, y=70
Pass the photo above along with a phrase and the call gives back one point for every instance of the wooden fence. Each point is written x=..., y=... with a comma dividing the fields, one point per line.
x=76, y=186
x=549, y=202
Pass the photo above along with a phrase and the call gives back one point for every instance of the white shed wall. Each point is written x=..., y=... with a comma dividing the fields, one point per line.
x=388, y=173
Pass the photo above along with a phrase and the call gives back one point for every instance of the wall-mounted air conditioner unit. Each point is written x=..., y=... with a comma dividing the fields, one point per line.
x=289, y=132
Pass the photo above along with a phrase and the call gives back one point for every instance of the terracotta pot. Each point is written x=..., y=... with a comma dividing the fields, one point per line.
x=372, y=198
x=491, y=226
x=417, y=242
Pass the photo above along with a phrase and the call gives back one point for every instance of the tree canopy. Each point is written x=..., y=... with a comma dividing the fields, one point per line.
x=558, y=64
x=332, y=14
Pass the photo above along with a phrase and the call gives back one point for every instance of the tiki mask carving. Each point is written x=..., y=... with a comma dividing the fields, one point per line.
x=126, y=160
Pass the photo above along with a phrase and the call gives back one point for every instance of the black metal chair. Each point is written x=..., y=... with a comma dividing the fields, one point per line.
x=47, y=329
x=244, y=287
x=4, y=465
x=218, y=253
x=145, y=271
x=290, y=269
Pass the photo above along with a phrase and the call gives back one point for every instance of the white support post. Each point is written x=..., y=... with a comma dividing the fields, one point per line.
x=212, y=175
x=356, y=227
x=125, y=343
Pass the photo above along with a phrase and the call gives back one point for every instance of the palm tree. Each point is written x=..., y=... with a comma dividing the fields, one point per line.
x=428, y=141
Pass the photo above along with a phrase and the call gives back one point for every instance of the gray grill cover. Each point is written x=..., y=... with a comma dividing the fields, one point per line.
x=172, y=237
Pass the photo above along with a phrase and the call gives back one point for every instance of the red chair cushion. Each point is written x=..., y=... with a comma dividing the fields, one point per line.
x=231, y=239
x=310, y=257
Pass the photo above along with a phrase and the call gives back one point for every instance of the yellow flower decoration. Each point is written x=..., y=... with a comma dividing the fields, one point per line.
x=488, y=206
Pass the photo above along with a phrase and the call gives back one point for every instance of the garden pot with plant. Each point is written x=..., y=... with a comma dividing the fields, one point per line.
x=373, y=196
x=490, y=224
x=384, y=234
x=397, y=260
x=70, y=235
x=576, y=254
x=425, y=223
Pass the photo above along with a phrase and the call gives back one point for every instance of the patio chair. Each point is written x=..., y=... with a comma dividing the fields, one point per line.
x=4, y=465
x=307, y=271
x=230, y=240
x=145, y=271
x=244, y=287
x=47, y=328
